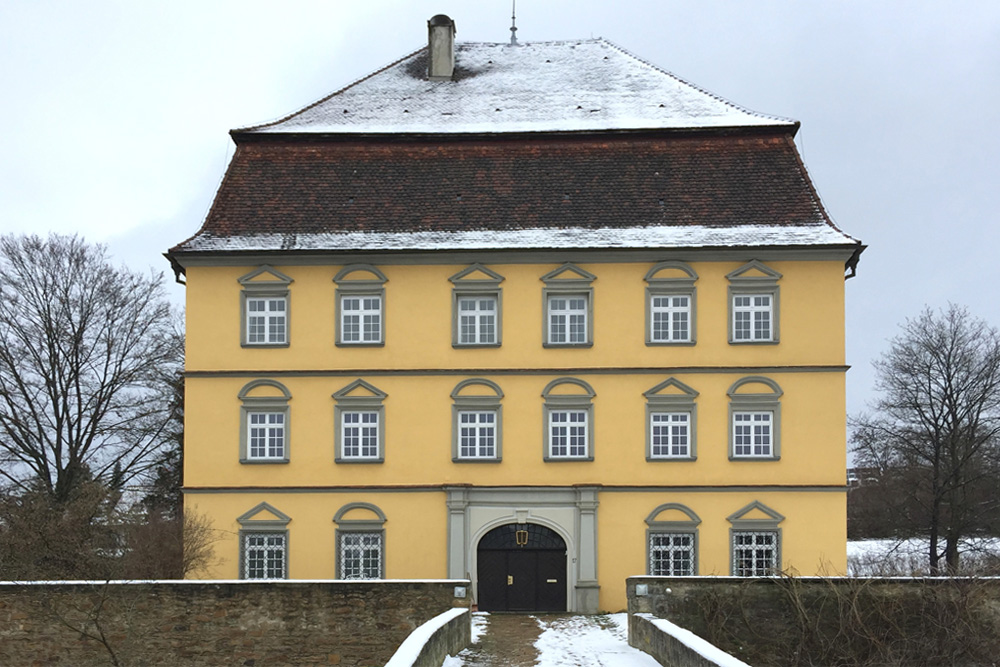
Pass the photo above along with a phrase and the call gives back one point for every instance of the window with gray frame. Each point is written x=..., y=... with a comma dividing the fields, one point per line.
x=755, y=419
x=360, y=541
x=265, y=308
x=569, y=421
x=755, y=541
x=672, y=543
x=476, y=307
x=264, y=423
x=359, y=423
x=567, y=300
x=360, y=301
x=670, y=304
x=476, y=421
x=753, y=304
x=670, y=422
x=263, y=541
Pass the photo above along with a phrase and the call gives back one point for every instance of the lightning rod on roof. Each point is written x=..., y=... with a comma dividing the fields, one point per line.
x=513, y=22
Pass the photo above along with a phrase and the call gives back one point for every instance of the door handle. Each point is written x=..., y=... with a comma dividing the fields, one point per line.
x=510, y=579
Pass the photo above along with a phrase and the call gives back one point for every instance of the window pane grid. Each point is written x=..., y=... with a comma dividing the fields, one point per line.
x=567, y=319
x=752, y=316
x=671, y=316
x=477, y=321
x=267, y=435
x=264, y=556
x=755, y=554
x=361, y=556
x=752, y=433
x=669, y=434
x=477, y=434
x=671, y=554
x=361, y=319
x=360, y=435
x=568, y=433
x=266, y=323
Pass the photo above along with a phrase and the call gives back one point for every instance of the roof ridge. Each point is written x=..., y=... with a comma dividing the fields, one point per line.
x=695, y=86
x=323, y=99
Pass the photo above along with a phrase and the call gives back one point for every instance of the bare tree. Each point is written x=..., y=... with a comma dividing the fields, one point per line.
x=86, y=353
x=937, y=428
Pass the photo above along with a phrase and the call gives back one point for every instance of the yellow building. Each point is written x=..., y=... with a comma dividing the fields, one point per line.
x=543, y=316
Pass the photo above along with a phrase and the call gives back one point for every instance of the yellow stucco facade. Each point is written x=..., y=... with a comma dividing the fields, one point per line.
x=429, y=507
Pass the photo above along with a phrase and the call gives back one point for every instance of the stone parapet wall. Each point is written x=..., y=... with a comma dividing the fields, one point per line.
x=673, y=646
x=216, y=623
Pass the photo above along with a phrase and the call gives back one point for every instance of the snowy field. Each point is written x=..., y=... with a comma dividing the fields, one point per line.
x=894, y=557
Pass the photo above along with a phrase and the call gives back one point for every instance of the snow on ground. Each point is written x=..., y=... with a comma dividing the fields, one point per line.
x=588, y=641
x=479, y=622
x=908, y=557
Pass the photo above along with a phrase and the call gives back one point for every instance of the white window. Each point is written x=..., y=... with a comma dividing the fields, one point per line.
x=361, y=319
x=671, y=554
x=359, y=423
x=477, y=435
x=753, y=303
x=568, y=319
x=264, y=307
x=360, y=555
x=568, y=433
x=360, y=303
x=670, y=434
x=567, y=302
x=264, y=422
x=360, y=439
x=477, y=320
x=755, y=553
x=752, y=317
x=752, y=434
x=266, y=321
x=670, y=319
x=266, y=439
x=264, y=555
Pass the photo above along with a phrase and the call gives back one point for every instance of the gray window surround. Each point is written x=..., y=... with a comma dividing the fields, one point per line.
x=464, y=287
x=669, y=403
x=672, y=287
x=345, y=526
x=555, y=286
x=266, y=404
x=758, y=402
x=743, y=285
x=738, y=524
x=274, y=288
x=560, y=402
x=476, y=403
x=345, y=402
x=657, y=527
x=249, y=525
x=370, y=287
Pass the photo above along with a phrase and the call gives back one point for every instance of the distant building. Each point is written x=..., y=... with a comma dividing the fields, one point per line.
x=544, y=316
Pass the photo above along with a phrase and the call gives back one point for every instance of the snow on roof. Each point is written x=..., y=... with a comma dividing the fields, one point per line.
x=584, y=85
x=666, y=236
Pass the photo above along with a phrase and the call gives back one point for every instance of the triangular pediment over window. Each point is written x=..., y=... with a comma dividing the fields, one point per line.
x=476, y=274
x=265, y=275
x=360, y=389
x=569, y=273
x=756, y=512
x=264, y=513
x=671, y=388
x=754, y=271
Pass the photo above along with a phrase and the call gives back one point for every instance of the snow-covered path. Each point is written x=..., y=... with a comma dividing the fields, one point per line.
x=558, y=641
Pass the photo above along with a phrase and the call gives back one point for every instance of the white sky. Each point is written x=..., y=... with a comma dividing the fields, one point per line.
x=115, y=115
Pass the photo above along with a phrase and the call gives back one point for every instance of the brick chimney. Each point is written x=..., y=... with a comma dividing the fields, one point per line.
x=440, y=48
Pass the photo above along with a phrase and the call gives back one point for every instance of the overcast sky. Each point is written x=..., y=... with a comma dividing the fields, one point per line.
x=115, y=115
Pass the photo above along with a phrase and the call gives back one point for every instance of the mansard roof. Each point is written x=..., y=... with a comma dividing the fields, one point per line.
x=583, y=85
x=560, y=145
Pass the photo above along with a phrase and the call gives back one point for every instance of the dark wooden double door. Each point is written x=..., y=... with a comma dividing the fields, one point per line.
x=522, y=567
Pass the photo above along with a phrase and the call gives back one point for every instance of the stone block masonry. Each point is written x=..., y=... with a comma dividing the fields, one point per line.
x=215, y=623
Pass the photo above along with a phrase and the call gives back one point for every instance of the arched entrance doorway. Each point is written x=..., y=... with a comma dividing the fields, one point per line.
x=522, y=567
